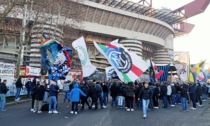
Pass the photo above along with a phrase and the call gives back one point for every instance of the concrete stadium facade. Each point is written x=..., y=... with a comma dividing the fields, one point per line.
x=149, y=35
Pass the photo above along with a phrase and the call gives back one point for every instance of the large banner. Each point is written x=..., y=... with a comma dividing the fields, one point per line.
x=182, y=71
x=32, y=71
x=128, y=66
x=87, y=68
x=7, y=72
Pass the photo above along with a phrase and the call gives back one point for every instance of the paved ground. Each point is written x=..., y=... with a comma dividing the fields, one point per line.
x=19, y=115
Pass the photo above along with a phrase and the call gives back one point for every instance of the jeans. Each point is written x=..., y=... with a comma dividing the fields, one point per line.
x=184, y=104
x=17, y=93
x=178, y=98
x=65, y=95
x=45, y=96
x=114, y=100
x=101, y=100
x=53, y=102
x=120, y=101
x=74, y=106
x=165, y=102
x=105, y=95
x=173, y=99
x=145, y=106
x=2, y=101
x=204, y=96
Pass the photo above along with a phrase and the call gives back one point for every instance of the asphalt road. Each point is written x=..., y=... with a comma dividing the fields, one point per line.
x=20, y=115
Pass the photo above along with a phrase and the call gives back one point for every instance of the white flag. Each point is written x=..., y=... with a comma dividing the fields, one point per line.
x=109, y=71
x=87, y=67
x=182, y=71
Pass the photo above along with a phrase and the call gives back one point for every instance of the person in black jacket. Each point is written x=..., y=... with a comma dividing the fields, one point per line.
x=192, y=93
x=164, y=95
x=39, y=97
x=33, y=95
x=19, y=86
x=145, y=95
x=105, y=89
x=113, y=93
x=130, y=93
x=3, y=91
x=28, y=87
x=156, y=95
x=184, y=97
x=199, y=94
x=85, y=89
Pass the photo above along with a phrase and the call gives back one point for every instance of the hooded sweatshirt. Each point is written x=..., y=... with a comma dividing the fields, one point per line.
x=75, y=93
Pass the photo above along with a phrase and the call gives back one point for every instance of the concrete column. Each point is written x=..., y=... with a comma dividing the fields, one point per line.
x=161, y=54
x=133, y=45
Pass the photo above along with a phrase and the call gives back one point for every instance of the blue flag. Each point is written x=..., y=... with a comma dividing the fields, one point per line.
x=165, y=74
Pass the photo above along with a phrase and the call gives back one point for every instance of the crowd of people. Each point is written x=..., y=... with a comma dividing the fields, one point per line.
x=145, y=95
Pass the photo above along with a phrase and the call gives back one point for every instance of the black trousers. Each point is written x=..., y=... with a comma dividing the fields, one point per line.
x=129, y=101
x=32, y=101
x=193, y=99
x=95, y=102
x=155, y=101
x=74, y=106
x=199, y=100
x=84, y=100
x=169, y=99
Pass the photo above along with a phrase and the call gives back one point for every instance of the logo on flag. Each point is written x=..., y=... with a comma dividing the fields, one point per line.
x=87, y=68
x=120, y=59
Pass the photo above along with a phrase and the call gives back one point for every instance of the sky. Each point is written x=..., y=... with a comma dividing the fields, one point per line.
x=197, y=43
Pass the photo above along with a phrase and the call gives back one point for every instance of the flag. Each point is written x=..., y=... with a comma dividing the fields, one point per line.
x=87, y=68
x=164, y=76
x=110, y=73
x=195, y=69
x=127, y=65
x=154, y=69
x=182, y=71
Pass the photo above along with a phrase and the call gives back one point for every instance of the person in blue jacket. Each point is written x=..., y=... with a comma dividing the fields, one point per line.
x=75, y=98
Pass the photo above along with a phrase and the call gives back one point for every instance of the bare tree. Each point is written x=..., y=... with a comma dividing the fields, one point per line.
x=64, y=14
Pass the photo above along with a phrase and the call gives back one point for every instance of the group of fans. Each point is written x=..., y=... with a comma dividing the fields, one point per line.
x=129, y=95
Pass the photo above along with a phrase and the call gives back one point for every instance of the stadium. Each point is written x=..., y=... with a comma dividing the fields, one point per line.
x=147, y=31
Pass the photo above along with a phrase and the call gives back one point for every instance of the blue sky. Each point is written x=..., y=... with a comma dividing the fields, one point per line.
x=197, y=43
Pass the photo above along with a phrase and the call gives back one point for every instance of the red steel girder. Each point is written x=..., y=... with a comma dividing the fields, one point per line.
x=194, y=8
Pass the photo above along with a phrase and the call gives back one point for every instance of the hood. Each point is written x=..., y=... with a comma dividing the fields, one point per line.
x=76, y=85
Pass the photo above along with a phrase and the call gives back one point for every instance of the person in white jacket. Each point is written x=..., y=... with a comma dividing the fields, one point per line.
x=169, y=91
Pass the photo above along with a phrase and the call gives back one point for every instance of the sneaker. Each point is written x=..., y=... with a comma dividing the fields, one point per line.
x=144, y=116
x=50, y=112
x=104, y=106
x=4, y=110
x=193, y=108
x=55, y=112
x=156, y=107
x=200, y=105
x=172, y=105
x=75, y=113
x=132, y=110
x=39, y=112
x=128, y=110
x=72, y=112
x=32, y=110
